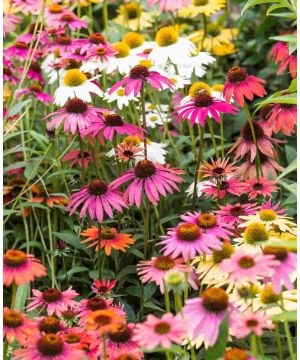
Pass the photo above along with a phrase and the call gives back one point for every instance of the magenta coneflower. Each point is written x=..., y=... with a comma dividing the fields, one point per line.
x=9, y=76
x=139, y=74
x=249, y=322
x=63, y=44
x=262, y=186
x=97, y=198
x=240, y=84
x=21, y=268
x=70, y=20
x=283, y=118
x=188, y=240
x=163, y=332
x=19, y=50
x=230, y=185
x=76, y=116
x=109, y=124
x=231, y=213
x=36, y=91
x=245, y=144
x=242, y=266
x=121, y=339
x=275, y=207
x=46, y=347
x=210, y=224
x=76, y=158
x=102, y=52
x=206, y=313
x=287, y=264
x=54, y=300
x=16, y=326
x=155, y=269
x=168, y=5
x=152, y=178
x=34, y=72
x=218, y=168
x=202, y=105
x=102, y=287
x=91, y=42
x=280, y=54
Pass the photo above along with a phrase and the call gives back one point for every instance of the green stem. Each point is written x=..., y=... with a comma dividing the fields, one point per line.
x=279, y=346
x=65, y=269
x=186, y=285
x=105, y=18
x=204, y=31
x=178, y=302
x=167, y=298
x=168, y=355
x=158, y=220
x=222, y=137
x=213, y=139
x=99, y=252
x=253, y=345
x=51, y=248
x=13, y=295
x=81, y=144
x=104, y=347
x=146, y=228
x=5, y=348
x=144, y=119
x=197, y=167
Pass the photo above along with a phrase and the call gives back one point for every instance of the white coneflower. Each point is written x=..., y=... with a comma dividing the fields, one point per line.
x=120, y=97
x=124, y=60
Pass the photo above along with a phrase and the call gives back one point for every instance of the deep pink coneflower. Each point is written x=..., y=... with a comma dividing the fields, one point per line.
x=262, y=186
x=282, y=118
x=231, y=213
x=36, y=91
x=75, y=158
x=280, y=55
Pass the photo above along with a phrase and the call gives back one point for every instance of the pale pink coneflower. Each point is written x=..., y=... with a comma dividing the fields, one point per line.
x=262, y=186
x=36, y=91
x=16, y=326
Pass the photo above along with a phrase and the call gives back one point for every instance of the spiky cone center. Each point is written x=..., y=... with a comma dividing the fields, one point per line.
x=280, y=253
x=132, y=10
x=213, y=30
x=162, y=328
x=113, y=120
x=101, y=51
x=74, y=77
x=14, y=258
x=96, y=38
x=21, y=45
x=267, y=215
x=52, y=295
x=144, y=169
x=50, y=345
x=108, y=234
x=237, y=210
x=235, y=354
x=121, y=92
x=35, y=67
x=7, y=71
x=102, y=320
x=246, y=262
x=236, y=75
x=63, y=40
x=244, y=292
x=202, y=99
x=128, y=153
x=134, y=140
x=97, y=187
x=72, y=338
x=225, y=253
x=224, y=185
x=268, y=296
x=257, y=186
x=13, y=319
x=122, y=49
x=139, y=72
x=215, y=300
x=121, y=335
x=55, y=8
x=256, y=233
x=206, y=221
x=251, y=323
x=133, y=39
x=72, y=64
x=69, y=314
x=127, y=357
x=198, y=88
x=164, y=263
x=76, y=106
x=50, y=324
x=35, y=88
x=200, y=2
x=247, y=132
x=96, y=303
x=166, y=36
x=67, y=18
x=188, y=232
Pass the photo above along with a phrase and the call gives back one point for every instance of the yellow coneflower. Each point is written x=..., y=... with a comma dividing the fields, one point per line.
x=206, y=7
x=132, y=16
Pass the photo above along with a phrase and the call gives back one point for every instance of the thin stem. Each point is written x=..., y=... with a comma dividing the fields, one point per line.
x=167, y=298
x=65, y=269
x=105, y=18
x=104, y=347
x=197, y=166
x=279, y=346
x=168, y=355
x=99, y=252
x=81, y=144
x=213, y=139
x=222, y=137
x=186, y=285
x=146, y=228
x=51, y=248
x=253, y=345
x=13, y=295
x=178, y=302
x=144, y=119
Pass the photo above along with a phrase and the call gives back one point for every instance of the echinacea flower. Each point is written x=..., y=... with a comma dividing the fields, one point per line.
x=168, y=5
x=102, y=287
x=36, y=91
x=123, y=60
x=132, y=16
x=19, y=50
x=54, y=300
x=75, y=158
x=197, y=7
x=9, y=76
x=154, y=332
x=21, y=268
x=205, y=314
x=286, y=266
x=98, y=199
x=139, y=75
x=218, y=168
x=70, y=20
x=230, y=185
x=49, y=325
x=282, y=118
x=249, y=322
x=109, y=124
x=16, y=326
x=47, y=347
x=152, y=178
x=128, y=152
x=109, y=239
x=88, y=306
x=120, y=97
x=76, y=85
x=187, y=239
x=262, y=186
x=280, y=55
x=49, y=199
x=104, y=320
x=237, y=354
x=121, y=338
x=134, y=354
x=155, y=269
x=79, y=338
x=240, y=85
x=242, y=266
x=34, y=72
x=10, y=22
x=231, y=213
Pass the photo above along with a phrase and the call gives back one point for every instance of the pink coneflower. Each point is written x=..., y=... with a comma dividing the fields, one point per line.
x=275, y=207
x=218, y=168
x=34, y=72
x=280, y=54
x=237, y=354
x=249, y=322
x=102, y=287
x=54, y=300
x=21, y=268
x=70, y=20
x=87, y=306
x=46, y=347
x=63, y=43
x=98, y=199
x=286, y=266
x=137, y=76
x=242, y=266
x=188, y=240
x=109, y=124
x=121, y=338
x=16, y=326
x=206, y=313
x=231, y=213
x=28, y=6
x=160, y=332
x=262, y=186
x=210, y=224
x=10, y=22
x=128, y=152
x=102, y=52
x=230, y=185
x=91, y=42
x=240, y=84
x=49, y=325
x=36, y=91
x=76, y=158
x=79, y=338
x=76, y=116
x=168, y=5
x=134, y=354
x=202, y=105
x=245, y=144
x=152, y=178
x=155, y=269
x=9, y=76
x=19, y=50
x=283, y=118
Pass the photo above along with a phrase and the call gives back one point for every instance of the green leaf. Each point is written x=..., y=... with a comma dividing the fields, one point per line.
x=77, y=269
x=18, y=107
x=31, y=168
x=21, y=296
x=290, y=316
x=33, y=204
x=287, y=99
x=290, y=244
x=218, y=349
x=285, y=38
x=41, y=139
x=292, y=188
x=71, y=239
x=292, y=48
x=292, y=167
x=251, y=3
x=130, y=269
x=286, y=15
x=293, y=86
x=274, y=7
